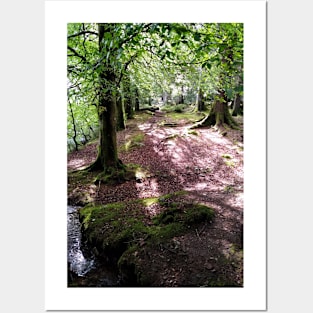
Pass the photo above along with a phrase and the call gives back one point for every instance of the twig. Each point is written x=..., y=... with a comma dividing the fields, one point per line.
x=98, y=187
x=202, y=229
x=198, y=234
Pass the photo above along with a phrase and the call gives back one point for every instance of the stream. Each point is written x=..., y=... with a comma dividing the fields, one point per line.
x=84, y=269
x=78, y=261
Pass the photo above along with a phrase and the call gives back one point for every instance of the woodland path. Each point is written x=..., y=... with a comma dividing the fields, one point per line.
x=202, y=162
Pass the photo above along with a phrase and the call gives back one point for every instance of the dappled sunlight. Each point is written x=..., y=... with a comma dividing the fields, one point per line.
x=206, y=166
x=148, y=189
x=201, y=186
x=151, y=108
x=77, y=164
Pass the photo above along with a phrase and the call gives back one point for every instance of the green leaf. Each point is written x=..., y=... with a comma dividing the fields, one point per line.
x=168, y=54
x=197, y=37
x=229, y=93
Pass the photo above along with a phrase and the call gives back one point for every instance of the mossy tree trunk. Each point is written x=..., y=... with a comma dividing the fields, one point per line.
x=219, y=115
x=107, y=159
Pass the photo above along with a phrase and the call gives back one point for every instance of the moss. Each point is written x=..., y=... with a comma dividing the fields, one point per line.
x=187, y=214
x=170, y=215
x=227, y=156
x=193, y=132
x=230, y=163
x=80, y=177
x=229, y=188
x=119, y=230
x=136, y=140
x=112, y=174
x=198, y=213
x=149, y=201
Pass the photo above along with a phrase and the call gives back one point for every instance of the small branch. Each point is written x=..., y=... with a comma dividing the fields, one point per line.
x=82, y=33
x=198, y=234
x=76, y=54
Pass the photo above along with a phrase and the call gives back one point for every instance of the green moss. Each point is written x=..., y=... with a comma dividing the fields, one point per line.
x=120, y=229
x=198, y=213
x=230, y=163
x=186, y=214
x=193, y=132
x=229, y=188
x=111, y=175
x=136, y=140
x=163, y=232
x=169, y=215
x=188, y=116
x=149, y=201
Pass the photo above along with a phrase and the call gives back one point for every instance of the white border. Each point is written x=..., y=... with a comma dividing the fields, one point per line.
x=253, y=295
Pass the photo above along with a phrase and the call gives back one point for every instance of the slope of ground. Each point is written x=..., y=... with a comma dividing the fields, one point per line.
x=168, y=158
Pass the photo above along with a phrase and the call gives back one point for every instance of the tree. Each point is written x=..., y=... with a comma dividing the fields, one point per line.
x=107, y=160
x=227, y=51
x=120, y=115
x=108, y=66
x=111, y=66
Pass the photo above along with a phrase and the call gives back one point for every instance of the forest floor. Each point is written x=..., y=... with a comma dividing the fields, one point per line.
x=170, y=158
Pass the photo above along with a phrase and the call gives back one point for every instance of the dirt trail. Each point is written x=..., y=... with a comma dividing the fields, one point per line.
x=207, y=165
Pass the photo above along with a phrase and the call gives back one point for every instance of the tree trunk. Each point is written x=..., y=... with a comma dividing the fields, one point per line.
x=120, y=124
x=181, y=96
x=164, y=97
x=136, y=100
x=74, y=127
x=236, y=107
x=128, y=105
x=200, y=102
x=219, y=114
x=107, y=160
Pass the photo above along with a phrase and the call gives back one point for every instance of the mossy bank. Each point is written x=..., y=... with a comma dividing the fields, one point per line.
x=124, y=233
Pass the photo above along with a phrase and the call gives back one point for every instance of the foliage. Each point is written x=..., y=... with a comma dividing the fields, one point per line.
x=165, y=64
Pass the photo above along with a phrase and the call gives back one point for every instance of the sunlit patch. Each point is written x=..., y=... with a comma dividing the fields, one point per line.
x=152, y=209
x=200, y=186
x=148, y=189
x=76, y=163
x=144, y=126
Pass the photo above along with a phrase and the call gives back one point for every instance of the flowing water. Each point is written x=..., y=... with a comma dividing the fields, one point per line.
x=79, y=262
x=88, y=271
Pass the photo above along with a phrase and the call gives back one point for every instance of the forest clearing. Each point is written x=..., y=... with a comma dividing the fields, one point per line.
x=155, y=154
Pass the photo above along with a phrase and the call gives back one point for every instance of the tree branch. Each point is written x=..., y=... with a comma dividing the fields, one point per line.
x=76, y=54
x=82, y=33
x=125, y=67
